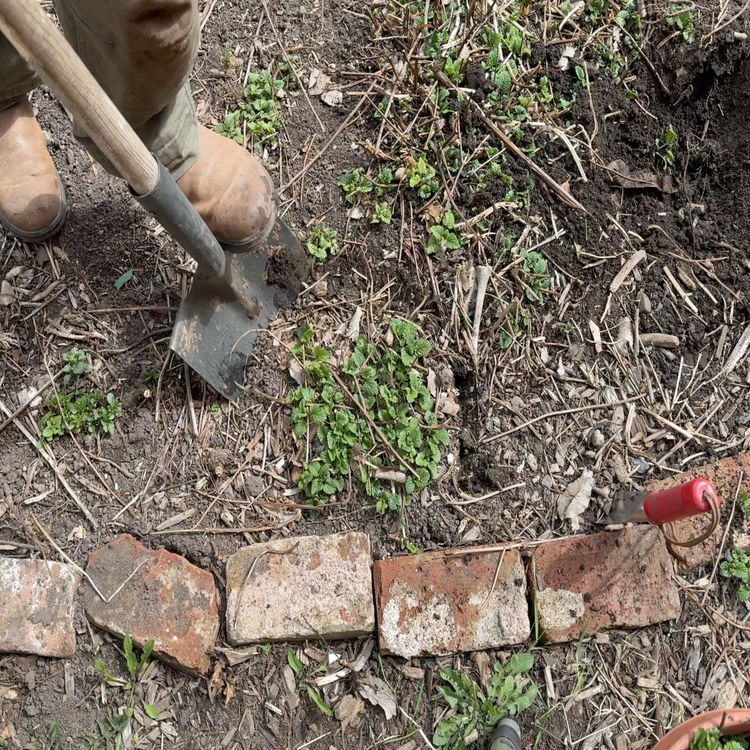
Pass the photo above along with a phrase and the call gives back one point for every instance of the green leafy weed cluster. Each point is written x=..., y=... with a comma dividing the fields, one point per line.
x=372, y=412
x=472, y=709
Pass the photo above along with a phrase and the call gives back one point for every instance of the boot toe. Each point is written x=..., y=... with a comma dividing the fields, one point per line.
x=232, y=191
x=248, y=211
x=39, y=219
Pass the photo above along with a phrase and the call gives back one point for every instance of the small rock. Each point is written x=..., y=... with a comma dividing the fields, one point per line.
x=292, y=589
x=168, y=600
x=37, y=599
x=596, y=439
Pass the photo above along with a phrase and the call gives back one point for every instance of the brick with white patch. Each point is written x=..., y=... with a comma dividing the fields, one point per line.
x=436, y=603
x=37, y=600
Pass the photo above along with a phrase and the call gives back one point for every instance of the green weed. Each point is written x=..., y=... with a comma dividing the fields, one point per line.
x=322, y=243
x=421, y=176
x=534, y=268
x=708, y=739
x=113, y=728
x=744, y=502
x=683, y=22
x=516, y=319
x=75, y=365
x=509, y=692
x=737, y=568
x=87, y=413
x=441, y=235
x=665, y=147
x=381, y=213
x=356, y=185
x=299, y=672
x=258, y=113
x=374, y=412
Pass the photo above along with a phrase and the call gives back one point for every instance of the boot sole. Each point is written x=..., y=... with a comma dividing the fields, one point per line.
x=41, y=234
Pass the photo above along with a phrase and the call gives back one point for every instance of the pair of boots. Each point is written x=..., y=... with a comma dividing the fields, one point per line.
x=227, y=186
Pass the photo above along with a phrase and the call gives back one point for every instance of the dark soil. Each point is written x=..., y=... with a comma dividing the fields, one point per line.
x=234, y=469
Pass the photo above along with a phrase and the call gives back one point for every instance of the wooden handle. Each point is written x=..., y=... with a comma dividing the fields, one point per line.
x=33, y=33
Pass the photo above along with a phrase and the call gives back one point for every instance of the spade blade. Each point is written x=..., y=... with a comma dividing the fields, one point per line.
x=218, y=322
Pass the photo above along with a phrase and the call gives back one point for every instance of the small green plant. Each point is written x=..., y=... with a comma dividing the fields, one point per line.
x=474, y=712
x=356, y=185
x=744, y=502
x=683, y=22
x=441, y=236
x=299, y=672
x=322, y=243
x=737, y=568
x=370, y=422
x=258, y=113
x=381, y=213
x=534, y=268
x=113, y=728
x=75, y=365
x=516, y=319
x=708, y=739
x=421, y=176
x=87, y=413
x=665, y=146
x=228, y=54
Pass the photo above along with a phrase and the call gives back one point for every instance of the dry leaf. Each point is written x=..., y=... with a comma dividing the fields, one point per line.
x=640, y=179
x=352, y=330
x=318, y=82
x=374, y=690
x=296, y=371
x=347, y=709
x=7, y=294
x=576, y=497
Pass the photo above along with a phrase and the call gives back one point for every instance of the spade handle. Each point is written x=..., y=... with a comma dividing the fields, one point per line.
x=36, y=38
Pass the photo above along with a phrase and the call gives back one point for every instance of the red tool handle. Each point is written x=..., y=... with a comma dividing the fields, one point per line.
x=683, y=501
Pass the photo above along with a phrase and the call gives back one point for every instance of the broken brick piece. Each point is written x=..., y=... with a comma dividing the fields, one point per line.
x=37, y=599
x=435, y=604
x=308, y=587
x=155, y=595
x=614, y=579
x=725, y=475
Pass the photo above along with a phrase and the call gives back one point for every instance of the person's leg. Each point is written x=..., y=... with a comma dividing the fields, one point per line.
x=16, y=78
x=141, y=51
x=32, y=202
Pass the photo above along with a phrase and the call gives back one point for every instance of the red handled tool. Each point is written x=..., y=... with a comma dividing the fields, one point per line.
x=689, y=499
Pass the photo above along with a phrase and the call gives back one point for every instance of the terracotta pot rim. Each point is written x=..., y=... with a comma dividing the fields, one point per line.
x=736, y=723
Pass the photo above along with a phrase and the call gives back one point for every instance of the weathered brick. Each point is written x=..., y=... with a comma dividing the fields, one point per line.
x=435, y=604
x=37, y=599
x=168, y=599
x=292, y=589
x=615, y=579
x=724, y=474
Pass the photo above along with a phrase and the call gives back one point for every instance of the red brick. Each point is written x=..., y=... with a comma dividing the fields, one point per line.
x=433, y=604
x=37, y=600
x=615, y=579
x=298, y=588
x=724, y=474
x=168, y=600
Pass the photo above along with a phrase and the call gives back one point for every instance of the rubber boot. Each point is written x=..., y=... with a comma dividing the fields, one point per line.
x=231, y=191
x=507, y=736
x=32, y=199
